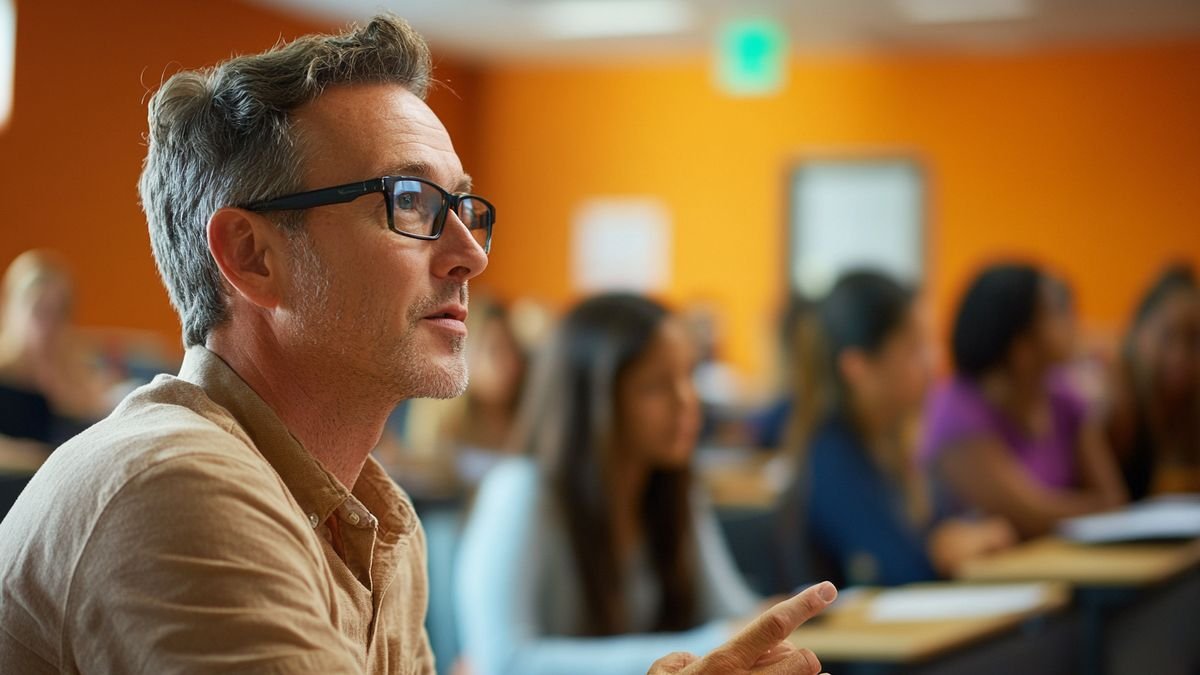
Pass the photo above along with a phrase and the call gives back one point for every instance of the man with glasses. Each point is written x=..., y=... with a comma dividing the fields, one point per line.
x=316, y=232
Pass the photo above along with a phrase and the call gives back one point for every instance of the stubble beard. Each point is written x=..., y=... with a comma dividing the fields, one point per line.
x=361, y=343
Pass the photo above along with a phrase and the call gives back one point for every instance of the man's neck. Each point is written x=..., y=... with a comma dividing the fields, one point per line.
x=337, y=423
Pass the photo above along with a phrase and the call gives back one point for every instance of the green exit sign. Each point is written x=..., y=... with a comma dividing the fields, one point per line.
x=752, y=57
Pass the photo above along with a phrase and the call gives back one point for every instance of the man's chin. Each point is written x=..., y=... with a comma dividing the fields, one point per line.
x=443, y=380
x=451, y=390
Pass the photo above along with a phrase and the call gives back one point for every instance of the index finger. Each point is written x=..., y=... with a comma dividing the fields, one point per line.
x=776, y=624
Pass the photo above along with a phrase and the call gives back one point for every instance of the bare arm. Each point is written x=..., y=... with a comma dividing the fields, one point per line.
x=1098, y=467
x=986, y=474
x=957, y=541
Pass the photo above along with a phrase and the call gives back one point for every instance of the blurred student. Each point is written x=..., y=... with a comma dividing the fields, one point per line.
x=866, y=371
x=596, y=553
x=1007, y=436
x=50, y=385
x=1154, y=424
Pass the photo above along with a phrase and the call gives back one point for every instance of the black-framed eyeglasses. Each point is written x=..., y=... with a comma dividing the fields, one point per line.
x=416, y=207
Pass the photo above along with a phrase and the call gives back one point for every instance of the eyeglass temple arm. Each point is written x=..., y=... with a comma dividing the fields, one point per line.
x=333, y=195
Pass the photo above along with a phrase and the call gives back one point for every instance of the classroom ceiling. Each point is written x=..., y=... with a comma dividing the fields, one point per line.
x=616, y=29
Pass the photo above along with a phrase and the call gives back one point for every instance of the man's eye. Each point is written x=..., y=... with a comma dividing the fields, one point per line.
x=406, y=201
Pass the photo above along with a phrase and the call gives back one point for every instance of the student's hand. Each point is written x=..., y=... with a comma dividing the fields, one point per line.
x=955, y=542
x=761, y=648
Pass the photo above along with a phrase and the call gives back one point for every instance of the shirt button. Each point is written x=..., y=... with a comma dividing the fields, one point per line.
x=312, y=520
x=353, y=518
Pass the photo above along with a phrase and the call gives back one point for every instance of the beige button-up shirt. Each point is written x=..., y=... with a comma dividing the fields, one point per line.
x=191, y=532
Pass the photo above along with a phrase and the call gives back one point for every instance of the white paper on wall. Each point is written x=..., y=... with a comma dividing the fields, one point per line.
x=621, y=243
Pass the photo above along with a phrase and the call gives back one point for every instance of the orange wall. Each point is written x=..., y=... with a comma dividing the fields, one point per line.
x=1087, y=159
x=72, y=151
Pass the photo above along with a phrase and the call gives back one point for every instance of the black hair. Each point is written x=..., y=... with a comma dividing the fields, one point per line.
x=863, y=309
x=1000, y=306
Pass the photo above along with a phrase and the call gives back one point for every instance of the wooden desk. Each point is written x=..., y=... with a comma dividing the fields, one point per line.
x=1137, y=602
x=740, y=482
x=1110, y=565
x=849, y=637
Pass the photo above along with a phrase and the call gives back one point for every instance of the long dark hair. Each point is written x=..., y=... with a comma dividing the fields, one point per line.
x=1176, y=278
x=1138, y=464
x=864, y=308
x=1000, y=306
x=567, y=422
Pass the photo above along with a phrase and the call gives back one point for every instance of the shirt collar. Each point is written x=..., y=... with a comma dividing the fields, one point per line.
x=316, y=490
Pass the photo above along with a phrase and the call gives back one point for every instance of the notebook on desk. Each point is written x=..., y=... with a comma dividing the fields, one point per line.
x=949, y=602
x=1163, y=518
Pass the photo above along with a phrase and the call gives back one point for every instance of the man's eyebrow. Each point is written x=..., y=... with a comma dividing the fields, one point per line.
x=424, y=170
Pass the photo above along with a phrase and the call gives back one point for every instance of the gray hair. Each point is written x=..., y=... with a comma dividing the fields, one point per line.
x=223, y=136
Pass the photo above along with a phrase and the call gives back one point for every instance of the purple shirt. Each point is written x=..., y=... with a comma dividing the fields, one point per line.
x=958, y=412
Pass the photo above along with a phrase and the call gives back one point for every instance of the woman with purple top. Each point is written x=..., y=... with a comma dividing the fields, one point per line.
x=1007, y=437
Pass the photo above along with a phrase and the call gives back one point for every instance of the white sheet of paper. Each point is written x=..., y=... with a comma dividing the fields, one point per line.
x=621, y=244
x=1164, y=518
x=953, y=602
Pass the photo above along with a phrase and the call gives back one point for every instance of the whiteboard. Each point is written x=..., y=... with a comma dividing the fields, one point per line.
x=855, y=213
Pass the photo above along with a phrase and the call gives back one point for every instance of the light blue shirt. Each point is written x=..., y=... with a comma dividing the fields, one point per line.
x=520, y=602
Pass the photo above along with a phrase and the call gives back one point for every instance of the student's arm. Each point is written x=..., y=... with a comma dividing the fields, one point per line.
x=1098, y=467
x=983, y=473
x=499, y=574
x=194, y=566
x=956, y=541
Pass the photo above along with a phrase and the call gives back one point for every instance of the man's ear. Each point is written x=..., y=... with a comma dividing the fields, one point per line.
x=248, y=249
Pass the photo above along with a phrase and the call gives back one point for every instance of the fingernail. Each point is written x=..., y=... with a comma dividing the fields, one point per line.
x=827, y=591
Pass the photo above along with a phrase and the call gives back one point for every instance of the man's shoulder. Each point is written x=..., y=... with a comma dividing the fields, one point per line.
x=165, y=420
x=168, y=430
x=168, y=471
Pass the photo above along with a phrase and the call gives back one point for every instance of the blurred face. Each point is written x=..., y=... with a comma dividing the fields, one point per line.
x=44, y=310
x=895, y=379
x=1054, y=332
x=658, y=410
x=1169, y=343
x=496, y=364
x=389, y=308
x=1050, y=341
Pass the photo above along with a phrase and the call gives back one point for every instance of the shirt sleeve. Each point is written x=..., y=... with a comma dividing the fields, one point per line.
x=194, y=567
x=499, y=572
x=956, y=413
x=857, y=519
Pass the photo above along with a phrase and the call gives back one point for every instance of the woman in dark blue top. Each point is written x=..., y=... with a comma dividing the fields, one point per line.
x=858, y=516
x=861, y=505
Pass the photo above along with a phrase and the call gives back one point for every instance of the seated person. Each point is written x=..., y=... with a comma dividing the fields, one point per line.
x=1154, y=422
x=50, y=383
x=1007, y=436
x=863, y=504
x=597, y=552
